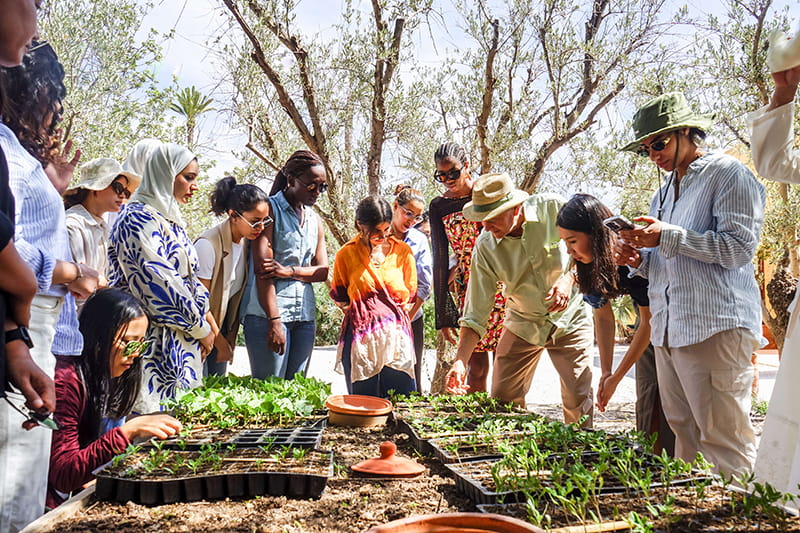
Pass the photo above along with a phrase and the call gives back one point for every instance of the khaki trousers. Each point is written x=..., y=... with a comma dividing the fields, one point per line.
x=516, y=360
x=705, y=393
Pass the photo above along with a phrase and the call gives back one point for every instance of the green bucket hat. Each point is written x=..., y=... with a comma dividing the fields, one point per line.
x=667, y=112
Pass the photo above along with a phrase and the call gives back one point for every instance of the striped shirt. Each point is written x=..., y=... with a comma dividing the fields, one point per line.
x=41, y=230
x=41, y=234
x=702, y=279
x=418, y=242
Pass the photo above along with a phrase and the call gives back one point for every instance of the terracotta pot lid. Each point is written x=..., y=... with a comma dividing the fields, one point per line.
x=356, y=404
x=388, y=464
x=457, y=523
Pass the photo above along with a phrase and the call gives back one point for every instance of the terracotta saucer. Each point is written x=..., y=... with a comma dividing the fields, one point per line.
x=388, y=464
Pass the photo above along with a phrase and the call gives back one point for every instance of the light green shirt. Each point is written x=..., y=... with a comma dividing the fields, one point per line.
x=529, y=266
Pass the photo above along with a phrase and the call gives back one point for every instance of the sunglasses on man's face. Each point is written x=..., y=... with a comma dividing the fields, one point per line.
x=120, y=189
x=655, y=146
x=443, y=176
x=134, y=347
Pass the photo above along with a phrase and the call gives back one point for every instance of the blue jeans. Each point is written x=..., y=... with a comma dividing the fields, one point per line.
x=213, y=368
x=379, y=385
x=264, y=362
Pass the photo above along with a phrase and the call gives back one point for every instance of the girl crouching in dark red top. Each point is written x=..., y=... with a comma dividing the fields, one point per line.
x=96, y=391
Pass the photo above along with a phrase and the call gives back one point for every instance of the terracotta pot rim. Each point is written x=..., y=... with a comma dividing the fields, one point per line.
x=357, y=404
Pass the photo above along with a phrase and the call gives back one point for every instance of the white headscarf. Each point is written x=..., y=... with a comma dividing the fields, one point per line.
x=165, y=162
x=139, y=154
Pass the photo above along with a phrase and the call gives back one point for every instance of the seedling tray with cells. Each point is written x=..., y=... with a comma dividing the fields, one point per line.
x=438, y=405
x=303, y=437
x=157, y=476
x=421, y=429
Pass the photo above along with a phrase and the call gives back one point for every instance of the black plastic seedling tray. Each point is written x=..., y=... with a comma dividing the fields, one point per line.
x=300, y=437
x=213, y=486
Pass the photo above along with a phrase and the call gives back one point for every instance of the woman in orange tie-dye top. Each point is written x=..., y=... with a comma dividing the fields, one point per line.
x=375, y=282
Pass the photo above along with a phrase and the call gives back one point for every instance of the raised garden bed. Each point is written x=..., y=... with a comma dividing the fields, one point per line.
x=158, y=476
x=680, y=510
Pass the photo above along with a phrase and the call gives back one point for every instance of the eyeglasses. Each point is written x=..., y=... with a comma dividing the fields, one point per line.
x=311, y=187
x=259, y=223
x=449, y=175
x=120, y=190
x=134, y=347
x=655, y=146
x=411, y=215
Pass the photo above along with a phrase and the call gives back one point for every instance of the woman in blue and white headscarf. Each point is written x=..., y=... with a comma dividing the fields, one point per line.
x=151, y=256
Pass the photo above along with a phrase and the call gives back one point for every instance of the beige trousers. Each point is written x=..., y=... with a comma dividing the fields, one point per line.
x=705, y=393
x=516, y=360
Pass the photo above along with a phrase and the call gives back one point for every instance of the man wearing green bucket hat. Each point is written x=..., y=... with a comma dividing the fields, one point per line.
x=696, y=248
x=521, y=247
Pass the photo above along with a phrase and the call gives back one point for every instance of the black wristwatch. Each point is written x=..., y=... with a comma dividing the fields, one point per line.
x=21, y=333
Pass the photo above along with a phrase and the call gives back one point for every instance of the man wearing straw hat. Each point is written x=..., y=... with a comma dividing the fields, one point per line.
x=520, y=246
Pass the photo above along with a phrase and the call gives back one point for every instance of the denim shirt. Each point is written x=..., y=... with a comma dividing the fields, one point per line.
x=292, y=245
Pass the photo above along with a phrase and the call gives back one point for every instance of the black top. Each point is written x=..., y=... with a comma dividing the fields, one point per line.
x=635, y=286
x=447, y=312
x=6, y=234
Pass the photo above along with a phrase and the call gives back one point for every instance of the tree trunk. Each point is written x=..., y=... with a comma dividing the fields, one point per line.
x=445, y=355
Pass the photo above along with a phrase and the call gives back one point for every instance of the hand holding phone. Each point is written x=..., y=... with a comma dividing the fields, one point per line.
x=618, y=223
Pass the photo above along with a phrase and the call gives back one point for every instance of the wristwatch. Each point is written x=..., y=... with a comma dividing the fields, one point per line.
x=21, y=333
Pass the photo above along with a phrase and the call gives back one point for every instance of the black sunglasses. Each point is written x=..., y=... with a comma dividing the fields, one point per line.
x=655, y=146
x=120, y=190
x=311, y=187
x=449, y=175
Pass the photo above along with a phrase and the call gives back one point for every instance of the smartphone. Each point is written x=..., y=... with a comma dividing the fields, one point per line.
x=618, y=223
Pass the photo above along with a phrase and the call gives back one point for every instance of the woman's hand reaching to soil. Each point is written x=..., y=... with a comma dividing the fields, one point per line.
x=159, y=425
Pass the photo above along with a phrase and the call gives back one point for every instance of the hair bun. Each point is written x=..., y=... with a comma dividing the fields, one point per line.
x=400, y=188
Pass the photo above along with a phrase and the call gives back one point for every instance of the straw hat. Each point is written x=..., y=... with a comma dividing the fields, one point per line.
x=98, y=174
x=491, y=195
x=664, y=113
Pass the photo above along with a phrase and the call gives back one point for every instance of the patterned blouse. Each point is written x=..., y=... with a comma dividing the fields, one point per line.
x=154, y=260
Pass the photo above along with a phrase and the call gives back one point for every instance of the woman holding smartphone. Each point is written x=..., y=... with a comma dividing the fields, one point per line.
x=584, y=225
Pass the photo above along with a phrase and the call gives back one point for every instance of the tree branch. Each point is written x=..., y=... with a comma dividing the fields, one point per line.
x=490, y=82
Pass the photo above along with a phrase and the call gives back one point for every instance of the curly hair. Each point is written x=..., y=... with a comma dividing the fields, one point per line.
x=585, y=213
x=33, y=95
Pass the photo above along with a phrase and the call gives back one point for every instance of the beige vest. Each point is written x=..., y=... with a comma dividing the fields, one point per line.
x=224, y=305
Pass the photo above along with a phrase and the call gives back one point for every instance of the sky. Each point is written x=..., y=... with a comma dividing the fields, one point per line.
x=198, y=22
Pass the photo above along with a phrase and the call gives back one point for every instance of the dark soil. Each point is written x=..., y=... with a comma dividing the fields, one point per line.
x=349, y=504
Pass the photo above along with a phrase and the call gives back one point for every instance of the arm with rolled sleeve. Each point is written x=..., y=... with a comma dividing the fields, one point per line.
x=772, y=143
x=171, y=300
x=739, y=212
x=481, y=290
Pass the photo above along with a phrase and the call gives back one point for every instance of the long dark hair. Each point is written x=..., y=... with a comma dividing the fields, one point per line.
x=103, y=320
x=297, y=165
x=227, y=194
x=33, y=94
x=585, y=213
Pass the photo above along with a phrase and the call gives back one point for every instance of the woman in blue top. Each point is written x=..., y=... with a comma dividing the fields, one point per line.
x=591, y=245
x=279, y=307
x=409, y=205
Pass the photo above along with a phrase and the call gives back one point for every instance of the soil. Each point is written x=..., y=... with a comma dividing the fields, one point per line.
x=350, y=503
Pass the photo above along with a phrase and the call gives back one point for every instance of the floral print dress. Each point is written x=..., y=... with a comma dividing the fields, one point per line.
x=450, y=230
x=154, y=260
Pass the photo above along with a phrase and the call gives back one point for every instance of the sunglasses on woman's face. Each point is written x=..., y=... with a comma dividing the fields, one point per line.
x=311, y=187
x=655, y=146
x=443, y=176
x=120, y=189
x=258, y=224
x=134, y=347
